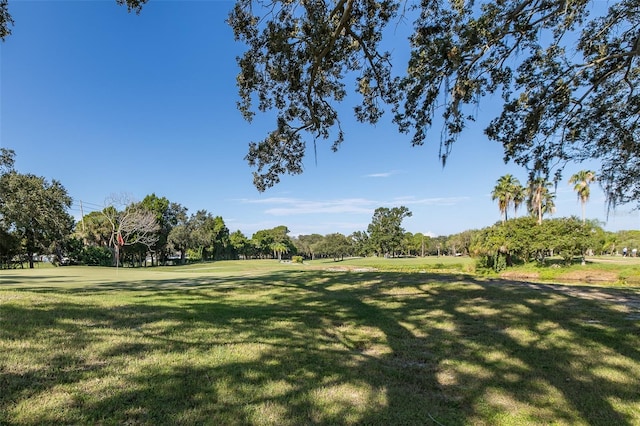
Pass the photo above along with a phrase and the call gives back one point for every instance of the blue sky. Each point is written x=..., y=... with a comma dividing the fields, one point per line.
x=109, y=102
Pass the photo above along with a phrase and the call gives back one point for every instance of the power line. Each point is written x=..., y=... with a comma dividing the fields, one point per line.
x=100, y=206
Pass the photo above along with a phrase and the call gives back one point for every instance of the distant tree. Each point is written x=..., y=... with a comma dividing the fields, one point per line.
x=610, y=244
x=210, y=236
x=540, y=198
x=548, y=202
x=628, y=238
x=158, y=206
x=406, y=244
x=168, y=215
x=507, y=191
x=570, y=237
x=280, y=234
x=519, y=197
x=580, y=182
x=262, y=240
x=240, y=244
x=440, y=245
x=361, y=243
x=265, y=240
x=279, y=249
x=601, y=238
x=411, y=243
x=335, y=245
x=306, y=244
x=95, y=229
x=36, y=211
x=179, y=239
x=385, y=230
x=420, y=244
x=132, y=225
x=501, y=246
x=522, y=240
x=461, y=242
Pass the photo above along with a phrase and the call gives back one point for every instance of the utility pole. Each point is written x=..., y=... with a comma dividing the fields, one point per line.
x=82, y=217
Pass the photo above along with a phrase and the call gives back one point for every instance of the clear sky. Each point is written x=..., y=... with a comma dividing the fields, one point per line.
x=109, y=102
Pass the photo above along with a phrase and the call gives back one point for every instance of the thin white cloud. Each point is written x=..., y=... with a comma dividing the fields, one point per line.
x=435, y=201
x=345, y=228
x=283, y=206
x=383, y=174
x=379, y=175
x=352, y=205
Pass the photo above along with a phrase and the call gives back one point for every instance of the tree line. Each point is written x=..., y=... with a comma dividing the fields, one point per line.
x=34, y=220
x=566, y=73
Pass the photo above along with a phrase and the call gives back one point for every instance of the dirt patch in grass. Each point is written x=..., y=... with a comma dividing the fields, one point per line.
x=586, y=276
x=520, y=275
x=350, y=269
x=590, y=276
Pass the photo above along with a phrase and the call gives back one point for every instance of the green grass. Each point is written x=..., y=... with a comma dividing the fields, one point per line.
x=409, y=264
x=264, y=343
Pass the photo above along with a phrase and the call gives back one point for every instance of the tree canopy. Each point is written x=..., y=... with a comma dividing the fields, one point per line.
x=385, y=230
x=524, y=240
x=36, y=210
x=566, y=74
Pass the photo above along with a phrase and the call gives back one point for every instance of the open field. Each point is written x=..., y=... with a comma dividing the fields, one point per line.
x=264, y=343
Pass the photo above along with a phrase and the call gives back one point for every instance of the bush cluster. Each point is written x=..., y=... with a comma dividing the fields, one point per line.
x=523, y=240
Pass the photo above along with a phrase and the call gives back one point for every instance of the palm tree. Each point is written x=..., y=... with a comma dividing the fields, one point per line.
x=506, y=192
x=519, y=196
x=540, y=198
x=279, y=249
x=548, y=202
x=581, y=181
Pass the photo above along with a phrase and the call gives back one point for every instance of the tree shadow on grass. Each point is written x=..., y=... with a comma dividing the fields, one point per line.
x=319, y=347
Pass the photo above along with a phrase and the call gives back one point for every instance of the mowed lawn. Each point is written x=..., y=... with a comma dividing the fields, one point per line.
x=264, y=343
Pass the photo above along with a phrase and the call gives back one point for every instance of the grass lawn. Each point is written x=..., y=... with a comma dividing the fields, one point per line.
x=264, y=343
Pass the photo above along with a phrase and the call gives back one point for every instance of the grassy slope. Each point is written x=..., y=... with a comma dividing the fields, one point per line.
x=268, y=343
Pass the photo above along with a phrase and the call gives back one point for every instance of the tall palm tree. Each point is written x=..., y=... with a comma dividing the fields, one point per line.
x=506, y=192
x=540, y=198
x=519, y=197
x=581, y=181
x=548, y=202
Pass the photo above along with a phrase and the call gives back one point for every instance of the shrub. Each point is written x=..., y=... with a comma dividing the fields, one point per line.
x=297, y=259
x=95, y=256
x=491, y=262
x=194, y=255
